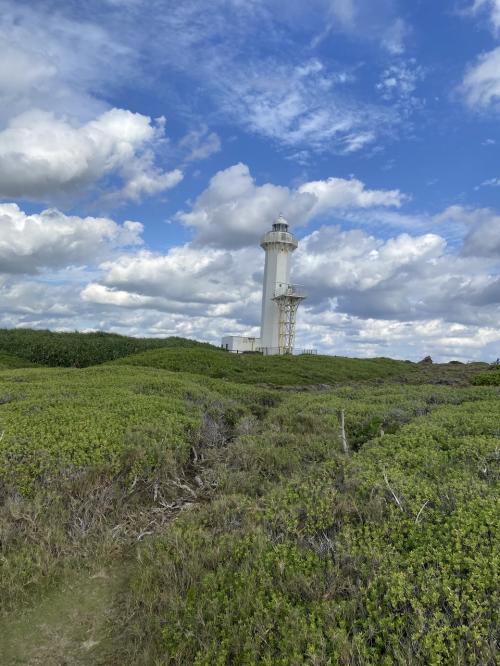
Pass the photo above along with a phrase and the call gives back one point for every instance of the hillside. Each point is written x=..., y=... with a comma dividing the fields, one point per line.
x=80, y=350
x=275, y=370
x=9, y=361
x=182, y=506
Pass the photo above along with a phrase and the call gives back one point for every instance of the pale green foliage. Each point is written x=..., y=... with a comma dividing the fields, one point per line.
x=245, y=535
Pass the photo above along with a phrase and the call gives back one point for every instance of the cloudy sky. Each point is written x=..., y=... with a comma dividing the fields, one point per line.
x=145, y=145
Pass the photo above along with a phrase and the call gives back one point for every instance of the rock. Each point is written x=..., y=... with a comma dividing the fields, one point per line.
x=426, y=360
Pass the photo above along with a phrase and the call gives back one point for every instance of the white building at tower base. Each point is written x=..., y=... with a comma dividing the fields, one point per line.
x=240, y=344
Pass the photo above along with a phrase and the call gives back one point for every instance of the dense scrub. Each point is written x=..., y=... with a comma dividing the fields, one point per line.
x=491, y=378
x=387, y=556
x=79, y=349
x=82, y=449
x=241, y=531
x=277, y=370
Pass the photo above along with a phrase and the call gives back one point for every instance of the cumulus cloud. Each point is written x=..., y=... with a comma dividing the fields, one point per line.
x=406, y=295
x=482, y=225
x=339, y=193
x=233, y=211
x=356, y=336
x=481, y=83
x=51, y=239
x=55, y=63
x=360, y=261
x=57, y=136
x=185, y=274
x=299, y=103
x=42, y=156
x=367, y=295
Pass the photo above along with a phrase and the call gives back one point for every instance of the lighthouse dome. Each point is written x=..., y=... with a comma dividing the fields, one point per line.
x=279, y=235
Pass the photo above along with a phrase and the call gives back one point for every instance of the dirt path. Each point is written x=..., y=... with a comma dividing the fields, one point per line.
x=66, y=628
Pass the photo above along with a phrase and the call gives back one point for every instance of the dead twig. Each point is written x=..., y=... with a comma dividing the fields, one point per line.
x=343, y=436
x=421, y=509
x=143, y=534
x=184, y=486
x=396, y=498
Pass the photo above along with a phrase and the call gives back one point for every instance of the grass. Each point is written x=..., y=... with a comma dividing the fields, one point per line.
x=8, y=361
x=272, y=370
x=236, y=528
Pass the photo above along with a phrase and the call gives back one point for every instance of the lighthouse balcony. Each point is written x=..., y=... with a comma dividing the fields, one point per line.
x=282, y=239
x=292, y=290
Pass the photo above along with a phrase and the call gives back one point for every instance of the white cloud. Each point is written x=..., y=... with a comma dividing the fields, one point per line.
x=233, y=211
x=401, y=296
x=373, y=21
x=344, y=11
x=330, y=259
x=301, y=105
x=481, y=83
x=482, y=225
x=200, y=144
x=491, y=182
x=493, y=7
x=398, y=84
x=185, y=274
x=406, y=296
x=296, y=101
x=60, y=136
x=42, y=156
x=51, y=239
x=54, y=63
x=394, y=37
x=353, y=336
x=339, y=193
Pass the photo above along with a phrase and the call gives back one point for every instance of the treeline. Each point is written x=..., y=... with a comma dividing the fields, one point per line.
x=80, y=350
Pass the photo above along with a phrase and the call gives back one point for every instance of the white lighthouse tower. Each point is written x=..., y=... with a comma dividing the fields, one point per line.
x=280, y=299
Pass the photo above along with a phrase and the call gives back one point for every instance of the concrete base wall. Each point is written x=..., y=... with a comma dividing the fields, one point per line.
x=240, y=344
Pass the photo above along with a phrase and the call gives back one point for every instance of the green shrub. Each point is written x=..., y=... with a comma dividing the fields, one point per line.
x=79, y=349
x=241, y=530
x=8, y=362
x=491, y=378
x=273, y=370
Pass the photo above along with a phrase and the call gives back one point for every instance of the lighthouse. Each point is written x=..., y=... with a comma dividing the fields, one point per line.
x=280, y=298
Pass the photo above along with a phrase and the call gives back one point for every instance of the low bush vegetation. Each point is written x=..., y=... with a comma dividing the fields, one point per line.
x=491, y=378
x=275, y=370
x=232, y=524
x=8, y=361
x=79, y=350
x=386, y=556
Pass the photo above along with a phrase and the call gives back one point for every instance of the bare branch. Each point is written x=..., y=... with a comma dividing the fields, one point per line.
x=421, y=509
x=345, y=445
x=396, y=498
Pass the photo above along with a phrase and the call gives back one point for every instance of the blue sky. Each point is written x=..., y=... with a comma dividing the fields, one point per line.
x=145, y=146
